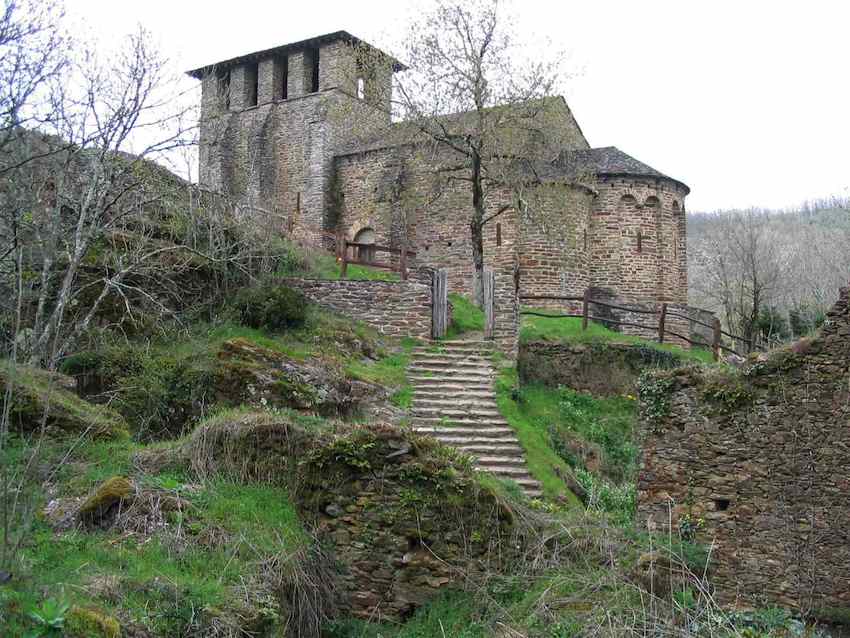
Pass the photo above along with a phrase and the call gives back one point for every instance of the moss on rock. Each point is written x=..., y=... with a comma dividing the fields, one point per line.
x=39, y=396
x=105, y=499
x=84, y=622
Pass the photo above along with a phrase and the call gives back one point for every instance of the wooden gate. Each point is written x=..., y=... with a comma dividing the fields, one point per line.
x=488, y=290
x=439, y=303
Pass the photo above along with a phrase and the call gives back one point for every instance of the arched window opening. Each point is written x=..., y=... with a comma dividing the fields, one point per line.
x=364, y=253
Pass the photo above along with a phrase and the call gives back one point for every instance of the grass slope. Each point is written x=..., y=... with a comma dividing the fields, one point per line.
x=466, y=317
x=568, y=329
x=543, y=462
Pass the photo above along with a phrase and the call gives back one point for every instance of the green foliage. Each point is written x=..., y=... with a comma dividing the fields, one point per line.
x=49, y=617
x=466, y=317
x=452, y=614
x=159, y=391
x=271, y=306
x=37, y=397
x=528, y=417
x=606, y=422
x=91, y=623
x=727, y=391
x=654, y=390
x=617, y=500
x=568, y=330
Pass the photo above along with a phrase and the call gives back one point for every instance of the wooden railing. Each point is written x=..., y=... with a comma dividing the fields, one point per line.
x=365, y=256
x=661, y=328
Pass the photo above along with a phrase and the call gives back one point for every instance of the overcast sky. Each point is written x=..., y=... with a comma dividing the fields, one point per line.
x=746, y=101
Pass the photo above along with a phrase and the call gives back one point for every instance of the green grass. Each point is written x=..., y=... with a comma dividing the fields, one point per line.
x=466, y=317
x=562, y=431
x=543, y=463
x=159, y=581
x=389, y=371
x=452, y=615
x=325, y=266
x=568, y=329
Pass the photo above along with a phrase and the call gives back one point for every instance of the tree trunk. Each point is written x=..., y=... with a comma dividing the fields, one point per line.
x=476, y=228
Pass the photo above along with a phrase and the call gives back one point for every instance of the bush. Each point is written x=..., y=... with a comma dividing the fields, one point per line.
x=271, y=307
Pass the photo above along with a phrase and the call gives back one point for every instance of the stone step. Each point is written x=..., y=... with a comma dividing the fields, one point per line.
x=485, y=449
x=470, y=430
x=431, y=392
x=501, y=461
x=453, y=355
x=510, y=471
x=468, y=374
x=465, y=402
x=450, y=364
x=454, y=413
x=471, y=441
x=460, y=422
x=452, y=384
x=460, y=343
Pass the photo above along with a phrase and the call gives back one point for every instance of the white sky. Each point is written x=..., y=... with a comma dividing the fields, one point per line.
x=746, y=101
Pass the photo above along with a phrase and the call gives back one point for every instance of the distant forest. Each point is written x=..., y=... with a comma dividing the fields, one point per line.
x=770, y=275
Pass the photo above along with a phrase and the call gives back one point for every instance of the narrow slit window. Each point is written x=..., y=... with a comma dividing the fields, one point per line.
x=224, y=88
x=312, y=60
x=498, y=234
x=252, y=80
x=284, y=77
x=585, y=239
x=640, y=242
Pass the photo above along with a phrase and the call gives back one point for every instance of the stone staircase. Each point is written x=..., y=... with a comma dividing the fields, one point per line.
x=454, y=401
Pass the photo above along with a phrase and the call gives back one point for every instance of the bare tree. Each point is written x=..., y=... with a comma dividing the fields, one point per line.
x=87, y=187
x=32, y=53
x=761, y=270
x=481, y=107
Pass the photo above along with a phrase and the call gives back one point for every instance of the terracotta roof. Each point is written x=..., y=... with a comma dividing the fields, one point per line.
x=318, y=40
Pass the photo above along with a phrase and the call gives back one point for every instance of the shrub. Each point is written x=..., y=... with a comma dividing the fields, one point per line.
x=271, y=307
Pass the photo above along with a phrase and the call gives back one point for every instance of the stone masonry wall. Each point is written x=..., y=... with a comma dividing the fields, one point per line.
x=761, y=455
x=396, y=308
x=277, y=155
x=390, y=190
x=654, y=268
x=599, y=368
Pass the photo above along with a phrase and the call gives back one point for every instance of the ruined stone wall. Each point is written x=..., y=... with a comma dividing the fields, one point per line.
x=761, y=456
x=397, y=308
x=403, y=534
x=653, y=268
x=599, y=368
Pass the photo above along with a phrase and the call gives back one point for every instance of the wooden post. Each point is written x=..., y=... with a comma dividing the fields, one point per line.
x=661, y=321
x=715, y=345
x=402, y=262
x=439, y=304
x=489, y=290
x=343, y=269
x=340, y=243
x=585, y=309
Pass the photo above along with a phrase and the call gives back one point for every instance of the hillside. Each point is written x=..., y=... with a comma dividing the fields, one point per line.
x=770, y=273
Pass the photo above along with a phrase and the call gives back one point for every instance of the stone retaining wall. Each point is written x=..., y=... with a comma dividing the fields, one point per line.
x=598, y=368
x=396, y=308
x=758, y=460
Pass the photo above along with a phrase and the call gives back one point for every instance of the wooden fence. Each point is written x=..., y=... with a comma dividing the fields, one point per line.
x=364, y=255
x=660, y=329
